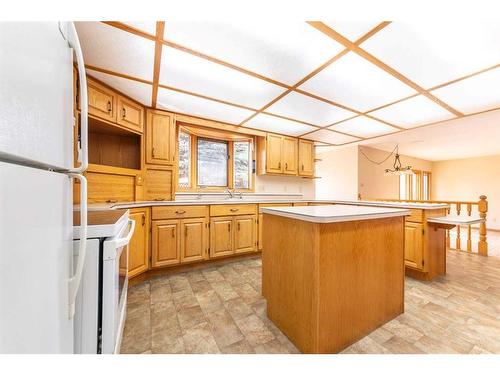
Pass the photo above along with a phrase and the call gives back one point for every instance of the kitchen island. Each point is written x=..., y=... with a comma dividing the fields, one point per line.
x=332, y=274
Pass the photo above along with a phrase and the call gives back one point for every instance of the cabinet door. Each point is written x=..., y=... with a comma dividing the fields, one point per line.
x=101, y=101
x=194, y=244
x=130, y=114
x=165, y=243
x=306, y=158
x=274, y=153
x=413, y=245
x=244, y=233
x=290, y=155
x=138, y=256
x=158, y=184
x=160, y=138
x=221, y=236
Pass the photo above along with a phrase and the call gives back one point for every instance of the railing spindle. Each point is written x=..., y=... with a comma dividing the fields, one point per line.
x=469, y=239
x=458, y=240
x=482, y=247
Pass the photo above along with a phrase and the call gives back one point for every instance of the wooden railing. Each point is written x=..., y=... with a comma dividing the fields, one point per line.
x=453, y=236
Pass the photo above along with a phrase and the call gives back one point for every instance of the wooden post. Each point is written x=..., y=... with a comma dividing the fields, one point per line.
x=458, y=240
x=482, y=247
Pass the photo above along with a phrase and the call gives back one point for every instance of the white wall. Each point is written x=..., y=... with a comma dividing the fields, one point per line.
x=338, y=170
x=467, y=179
x=285, y=185
x=372, y=181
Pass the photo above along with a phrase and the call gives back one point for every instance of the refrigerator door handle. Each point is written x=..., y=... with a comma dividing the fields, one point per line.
x=74, y=281
x=74, y=42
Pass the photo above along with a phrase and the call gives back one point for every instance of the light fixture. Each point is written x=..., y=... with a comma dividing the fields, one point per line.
x=397, y=167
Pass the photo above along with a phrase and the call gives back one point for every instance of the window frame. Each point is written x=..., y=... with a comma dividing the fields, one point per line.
x=418, y=194
x=217, y=136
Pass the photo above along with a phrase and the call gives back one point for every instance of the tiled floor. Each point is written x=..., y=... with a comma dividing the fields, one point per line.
x=220, y=310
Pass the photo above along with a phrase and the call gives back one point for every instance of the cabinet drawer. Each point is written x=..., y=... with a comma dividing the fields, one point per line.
x=415, y=216
x=233, y=209
x=178, y=212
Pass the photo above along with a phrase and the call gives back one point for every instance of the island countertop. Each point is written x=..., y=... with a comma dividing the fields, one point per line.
x=335, y=213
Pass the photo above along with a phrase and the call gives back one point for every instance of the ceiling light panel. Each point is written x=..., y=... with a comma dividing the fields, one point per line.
x=325, y=135
x=136, y=90
x=305, y=108
x=357, y=83
x=113, y=49
x=413, y=112
x=435, y=53
x=474, y=94
x=148, y=27
x=191, y=73
x=363, y=127
x=283, y=51
x=352, y=30
x=192, y=105
x=278, y=125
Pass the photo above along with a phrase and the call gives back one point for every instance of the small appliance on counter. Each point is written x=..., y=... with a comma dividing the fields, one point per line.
x=102, y=298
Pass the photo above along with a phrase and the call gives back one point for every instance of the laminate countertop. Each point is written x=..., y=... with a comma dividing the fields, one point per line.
x=248, y=200
x=335, y=213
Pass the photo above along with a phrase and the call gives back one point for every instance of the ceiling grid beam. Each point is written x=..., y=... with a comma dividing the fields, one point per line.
x=160, y=30
x=320, y=26
x=350, y=46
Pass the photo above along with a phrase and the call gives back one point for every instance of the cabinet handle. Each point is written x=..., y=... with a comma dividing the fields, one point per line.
x=302, y=166
x=173, y=232
x=159, y=199
x=109, y=106
x=279, y=165
x=180, y=212
x=111, y=201
x=286, y=166
x=234, y=209
x=185, y=231
x=143, y=219
x=153, y=152
x=229, y=227
x=238, y=227
x=124, y=113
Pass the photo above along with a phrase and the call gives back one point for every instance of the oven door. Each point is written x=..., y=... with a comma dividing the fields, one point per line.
x=114, y=288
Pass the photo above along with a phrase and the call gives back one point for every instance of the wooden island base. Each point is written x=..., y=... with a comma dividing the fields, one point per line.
x=328, y=285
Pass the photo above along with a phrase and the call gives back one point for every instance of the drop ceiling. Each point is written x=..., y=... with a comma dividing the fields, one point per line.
x=335, y=83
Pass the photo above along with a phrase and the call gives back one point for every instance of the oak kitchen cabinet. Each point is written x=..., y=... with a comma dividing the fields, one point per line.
x=158, y=183
x=101, y=101
x=130, y=114
x=413, y=245
x=179, y=235
x=138, y=257
x=233, y=229
x=278, y=154
x=306, y=158
x=160, y=137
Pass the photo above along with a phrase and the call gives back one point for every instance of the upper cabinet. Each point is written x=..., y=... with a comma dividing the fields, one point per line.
x=130, y=114
x=101, y=101
x=160, y=138
x=274, y=153
x=306, y=158
x=289, y=155
x=278, y=154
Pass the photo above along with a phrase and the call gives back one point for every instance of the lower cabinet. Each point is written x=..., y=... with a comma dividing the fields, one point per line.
x=138, y=256
x=413, y=245
x=165, y=249
x=194, y=241
x=233, y=235
x=179, y=241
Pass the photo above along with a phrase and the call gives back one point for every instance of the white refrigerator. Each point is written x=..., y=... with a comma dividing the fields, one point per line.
x=38, y=277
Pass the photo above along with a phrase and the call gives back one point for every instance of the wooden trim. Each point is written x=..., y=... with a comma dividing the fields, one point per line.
x=320, y=26
x=121, y=75
x=130, y=29
x=316, y=71
x=160, y=28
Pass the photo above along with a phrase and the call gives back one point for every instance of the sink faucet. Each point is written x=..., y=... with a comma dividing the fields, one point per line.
x=231, y=193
